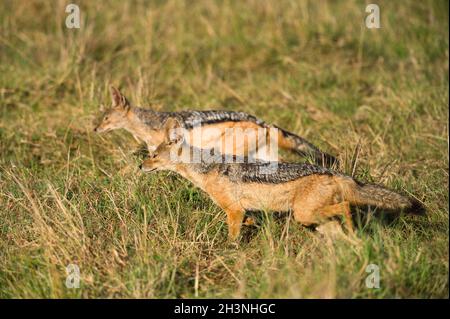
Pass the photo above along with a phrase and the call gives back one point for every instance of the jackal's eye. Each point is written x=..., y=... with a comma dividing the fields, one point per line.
x=106, y=118
x=154, y=155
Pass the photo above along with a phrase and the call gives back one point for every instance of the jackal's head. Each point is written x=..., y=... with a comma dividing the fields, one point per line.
x=116, y=116
x=168, y=153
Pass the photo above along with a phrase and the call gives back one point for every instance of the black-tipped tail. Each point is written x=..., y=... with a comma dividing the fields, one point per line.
x=379, y=196
x=416, y=207
x=304, y=148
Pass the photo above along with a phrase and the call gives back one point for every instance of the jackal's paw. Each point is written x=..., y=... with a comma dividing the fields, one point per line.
x=232, y=244
x=330, y=229
x=333, y=231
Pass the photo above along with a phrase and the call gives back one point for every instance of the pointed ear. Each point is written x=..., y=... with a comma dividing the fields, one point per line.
x=173, y=130
x=118, y=99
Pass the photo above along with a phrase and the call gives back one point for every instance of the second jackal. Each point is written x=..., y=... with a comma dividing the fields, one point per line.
x=147, y=125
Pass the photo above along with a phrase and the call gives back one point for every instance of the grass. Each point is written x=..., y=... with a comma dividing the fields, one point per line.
x=68, y=196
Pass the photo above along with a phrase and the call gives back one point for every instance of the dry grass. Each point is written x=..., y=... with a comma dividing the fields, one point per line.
x=68, y=196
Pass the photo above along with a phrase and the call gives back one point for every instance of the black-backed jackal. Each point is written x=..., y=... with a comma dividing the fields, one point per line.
x=249, y=135
x=313, y=193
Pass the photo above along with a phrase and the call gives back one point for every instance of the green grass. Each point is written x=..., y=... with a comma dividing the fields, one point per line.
x=68, y=196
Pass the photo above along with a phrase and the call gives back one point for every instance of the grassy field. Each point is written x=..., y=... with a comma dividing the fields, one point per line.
x=376, y=98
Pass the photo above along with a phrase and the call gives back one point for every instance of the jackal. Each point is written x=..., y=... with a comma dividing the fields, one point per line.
x=147, y=125
x=313, y=193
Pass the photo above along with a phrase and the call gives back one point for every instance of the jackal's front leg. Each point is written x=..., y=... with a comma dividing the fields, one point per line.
x=234, y=221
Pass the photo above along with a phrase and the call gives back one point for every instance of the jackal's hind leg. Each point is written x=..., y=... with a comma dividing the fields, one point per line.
x=340, y=209
x=234, y=221
x=308, y=202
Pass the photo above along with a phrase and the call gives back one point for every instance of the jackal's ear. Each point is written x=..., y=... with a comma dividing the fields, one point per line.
x=118, y=99
x=173, y=130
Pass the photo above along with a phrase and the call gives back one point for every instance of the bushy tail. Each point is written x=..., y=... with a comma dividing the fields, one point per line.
x=293, y=142
x=379, y=196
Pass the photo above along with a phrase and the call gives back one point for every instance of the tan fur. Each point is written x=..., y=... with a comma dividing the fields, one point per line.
x=284, y=142
x=237, y=138
x=312, y=199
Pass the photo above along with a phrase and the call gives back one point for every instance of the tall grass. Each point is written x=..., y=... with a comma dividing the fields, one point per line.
x=377, y=98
